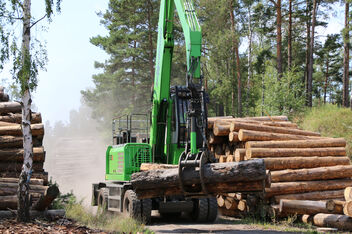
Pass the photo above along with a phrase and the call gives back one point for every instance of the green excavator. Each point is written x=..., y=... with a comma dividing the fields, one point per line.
x=177, y=131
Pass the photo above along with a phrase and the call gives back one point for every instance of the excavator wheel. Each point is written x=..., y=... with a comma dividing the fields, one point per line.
x=146, y=210
x=200, y=210
x=131, y=205
x=103, y=200
x=212, y=209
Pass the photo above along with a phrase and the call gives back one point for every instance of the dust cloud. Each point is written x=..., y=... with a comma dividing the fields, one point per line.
x=75, y=154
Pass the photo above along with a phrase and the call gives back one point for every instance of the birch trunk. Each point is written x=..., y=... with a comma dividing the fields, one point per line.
x=23, y=184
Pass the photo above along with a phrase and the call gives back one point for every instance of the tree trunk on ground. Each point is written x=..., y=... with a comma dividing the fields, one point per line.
x=236, y=126
x=249, y=135
x=294, y=152
x=275, y=164
x=319, y=173
x=346, y=58
x=320, y=195
x=16, y=155
x=305, y=207
x=17, y=118
x=50, y=194
x=240, y=154
x=10, y=107
x=225, y=177
x=17, y=130
x=306, y=186
x=333, y=142
x=342, y=222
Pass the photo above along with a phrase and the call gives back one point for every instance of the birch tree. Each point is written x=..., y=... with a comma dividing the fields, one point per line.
x=26, y=64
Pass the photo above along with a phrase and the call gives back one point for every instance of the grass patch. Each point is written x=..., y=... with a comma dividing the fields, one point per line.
x=330, y=120
x=286, y=225
x=106, y=222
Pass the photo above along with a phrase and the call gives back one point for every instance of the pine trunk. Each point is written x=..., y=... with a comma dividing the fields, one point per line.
x=346, y=59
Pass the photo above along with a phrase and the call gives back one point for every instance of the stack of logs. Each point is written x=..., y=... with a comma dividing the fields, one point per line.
x=11, y=157
x=303, y=165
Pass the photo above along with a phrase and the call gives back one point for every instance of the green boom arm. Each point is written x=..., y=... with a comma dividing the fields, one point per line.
x=161, y=112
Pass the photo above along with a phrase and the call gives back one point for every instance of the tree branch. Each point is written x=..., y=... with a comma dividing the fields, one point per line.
x=38, y=21
x=275, y=4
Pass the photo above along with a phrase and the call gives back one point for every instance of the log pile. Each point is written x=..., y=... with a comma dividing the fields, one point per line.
x=11, y=155
x=308, y=171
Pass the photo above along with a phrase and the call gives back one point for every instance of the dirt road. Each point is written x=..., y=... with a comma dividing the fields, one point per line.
x=222, y=225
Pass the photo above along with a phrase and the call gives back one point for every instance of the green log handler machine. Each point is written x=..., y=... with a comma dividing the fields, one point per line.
x=177, y=133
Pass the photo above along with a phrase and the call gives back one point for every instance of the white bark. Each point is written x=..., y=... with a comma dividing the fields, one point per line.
x=23, y=184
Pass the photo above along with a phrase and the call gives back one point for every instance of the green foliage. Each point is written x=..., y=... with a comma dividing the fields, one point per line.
x=111, y=223
x=63, y=200
x=281, y=97
x=330, y=120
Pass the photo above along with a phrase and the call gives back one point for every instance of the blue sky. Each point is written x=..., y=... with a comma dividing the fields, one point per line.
x=71, y=56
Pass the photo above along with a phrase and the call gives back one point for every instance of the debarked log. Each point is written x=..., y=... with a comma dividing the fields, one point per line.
x=306, y=186
x=10, y=155
x=236, y=126
x=318, y=143
x=303, y=162
x=319, y=173
x=289, y=152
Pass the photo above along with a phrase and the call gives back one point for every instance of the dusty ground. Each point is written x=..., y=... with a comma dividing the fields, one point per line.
x=8, y=226
x=221, y=225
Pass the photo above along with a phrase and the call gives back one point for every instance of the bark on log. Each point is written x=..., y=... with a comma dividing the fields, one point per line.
x=8, y=202
x=37, y=130
x=249, y=135
x=245, y=187
x=10, y=107
x=4, y=97
x=50, y=194
x=17, y=142
x=253, y=170
x=228, y=150
x=342, y=222
x=320, y=173
x=17, y=118
x=304, y=162
x=211, y=120
x=7, y=189
x=216, y=139
x=291, y=152
x=231, y=213
x=332, y=142
x=338, y=206
x=240, y=155
x=236, y=126
x=280, y=124
x=16, y=155
x=17, y=167
x=233, y=137
x=306, y=186
x=155, y=166
x=305, y=207
x=316, y=196
x=221, y=129
x=49, y=214
x=43, y=175
x=15, y=180
x=230, y=203
x=268, y=118
x=348, y=194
